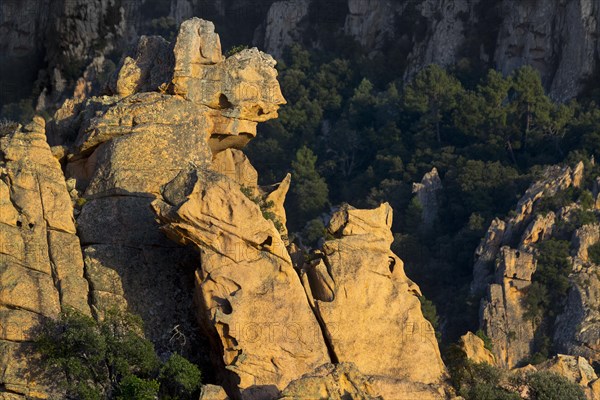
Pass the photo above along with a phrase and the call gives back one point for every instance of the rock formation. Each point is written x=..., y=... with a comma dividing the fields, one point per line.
x=575, y=369
x=475, y=350
x=578, y=327
x=53, y=42
x=165, y=144
x=508, y=232
x=390, y=318
x=505, y=262
x=246, y=287
x=41, y=266
x=428, y=194
x=503, y=312
x=336, y=382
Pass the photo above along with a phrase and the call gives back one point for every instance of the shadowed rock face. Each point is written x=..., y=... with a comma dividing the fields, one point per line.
x=506, y=263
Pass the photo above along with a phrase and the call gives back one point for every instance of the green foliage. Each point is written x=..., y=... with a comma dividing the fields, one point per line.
x=433, y=94
x=479, y=381
x=235, y=49
x=549, y=386
x=310, y=189
x=353, y=132
x=586, y=200
x=133, y=388
x=551, y=278
x=413, y=215
x=487, y=342
x=22, y=111
x=180, y=378
x=313, y=231
x=108, y=359
x=594, y=253
x=264, y=205
x=74, y=345
x=430, y=313
x=164, y=26
x=485, y=382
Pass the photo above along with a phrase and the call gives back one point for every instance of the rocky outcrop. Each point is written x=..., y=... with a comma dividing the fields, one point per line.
x=575, y=369
x=41, y=266
x=539, y=229
x=524, y=228
x=583, y=238
x=166, y=144
x=213, y=392
x=246, y=286
x=370, y=22
x=428, y=194
x=505, y=263
x=336, y=382
x=503, y=312
x=175, y=106
x=54, y=41
x=446, y=30
x=485, y=256
x=389, y=338
x=281, y=25
x=560, y=41
x=578, y=327
x=246, y=269
x=475, y=350
x=596, y=193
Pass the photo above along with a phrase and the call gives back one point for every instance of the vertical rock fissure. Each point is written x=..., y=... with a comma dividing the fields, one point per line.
x=90, y=299
x=330, y=348
x=55, y=278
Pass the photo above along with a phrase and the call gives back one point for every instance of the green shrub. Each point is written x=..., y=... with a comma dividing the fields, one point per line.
x=180, y=378
x=313, y=231
x=100, y=360
x=586, y=200
x=561, y=199
x=75, y=346
x=235, y=49
x=487, y=342
x=265, y=206
x=134, y=388
x=594, y=253
x=549, y=386
x=480, y=382
x=430, y=313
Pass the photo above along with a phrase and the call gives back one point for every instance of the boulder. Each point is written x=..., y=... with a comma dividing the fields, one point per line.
x=584, y=237
x=213, y=392
x=331, y=381
x=475, y=350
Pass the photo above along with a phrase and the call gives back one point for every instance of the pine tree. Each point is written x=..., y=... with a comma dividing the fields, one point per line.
x=433, y=93
x=309, y=188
